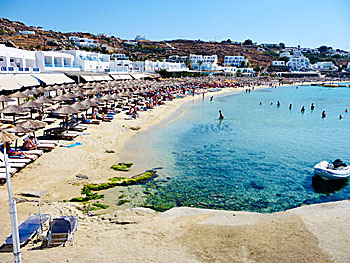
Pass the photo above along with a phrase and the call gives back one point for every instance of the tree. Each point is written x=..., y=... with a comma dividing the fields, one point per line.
x=282, y=45
x=323, y=49
x=228, y=41
x=256, y=68
x=247, y=42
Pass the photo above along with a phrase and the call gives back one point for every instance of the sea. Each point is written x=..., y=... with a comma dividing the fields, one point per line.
x=259, y=158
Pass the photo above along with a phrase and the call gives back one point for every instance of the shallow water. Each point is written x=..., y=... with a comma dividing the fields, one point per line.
x=259, y=158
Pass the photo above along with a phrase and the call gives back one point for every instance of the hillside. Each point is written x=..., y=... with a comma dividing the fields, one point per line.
x=51, y=40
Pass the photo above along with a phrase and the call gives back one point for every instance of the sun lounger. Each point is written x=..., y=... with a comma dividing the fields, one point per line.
x=36, y=152
x=14, y=160
x=13, y=165
x=27, y=230
x=62, y=230
x=46, y=146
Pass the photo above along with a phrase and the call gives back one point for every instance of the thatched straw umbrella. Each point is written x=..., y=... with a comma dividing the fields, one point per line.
x=19, y=95
x=13, y=109
x=61, y=98
x=4, y=98
x=31, y=104
x=66, y=110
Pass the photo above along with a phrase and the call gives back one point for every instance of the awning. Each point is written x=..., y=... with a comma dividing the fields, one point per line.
x=53, y=79
x=138, y=75
x=87, y=78
x=115, y=76
x=8, y=82
x=26, y=80
x=125, y=76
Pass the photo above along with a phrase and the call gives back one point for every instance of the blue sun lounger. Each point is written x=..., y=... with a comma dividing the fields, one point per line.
x=62, y=230
x=28, y=229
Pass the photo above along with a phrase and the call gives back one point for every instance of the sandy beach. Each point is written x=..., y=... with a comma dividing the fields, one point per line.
x=316, y=233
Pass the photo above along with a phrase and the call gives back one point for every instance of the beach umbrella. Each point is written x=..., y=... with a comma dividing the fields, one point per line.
x=32, y=124
x=30, y=92
x=31, y=104
x=66, y=110
x=115, y=96
x=80, y=106
x=18, y=129
x=44, y=100
x=41, y=90
x=70, y=95
x=90, y=103
x=79, y=94
x=4, y=98
x=5, y=138
x=61, y=98
x=13, y=109
x=18, y=95
x=97, y=100
x=107, y=97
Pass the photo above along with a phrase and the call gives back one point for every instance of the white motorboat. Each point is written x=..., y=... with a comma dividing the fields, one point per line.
x=336, y=171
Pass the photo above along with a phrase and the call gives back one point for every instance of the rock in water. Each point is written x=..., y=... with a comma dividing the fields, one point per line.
x=81, y=176
x=257, y=185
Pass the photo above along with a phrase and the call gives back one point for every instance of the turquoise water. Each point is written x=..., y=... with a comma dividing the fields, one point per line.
x=259, y=158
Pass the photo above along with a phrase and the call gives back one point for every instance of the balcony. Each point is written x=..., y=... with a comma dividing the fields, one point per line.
x=48, y=65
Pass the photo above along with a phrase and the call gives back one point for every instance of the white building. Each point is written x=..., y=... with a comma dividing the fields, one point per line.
x=176, y=58
x=13, y=60
x=55, y=61
x=278, y=63
x=26, y=32
x=90, y=61
x=84, y=42
x=299, y=63
x=151, y=66
x=119, y=57
x=120, y=66
x=325, y=65
x=203, y=62
x=236, y=61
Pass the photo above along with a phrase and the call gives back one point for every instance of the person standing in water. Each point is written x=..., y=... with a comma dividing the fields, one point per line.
x=303, y=109
x=278, y=104
x=312, y=106
x=211, y=98
x=324, y=114
x=290, y=106
x=340, y=117
x=221, y=116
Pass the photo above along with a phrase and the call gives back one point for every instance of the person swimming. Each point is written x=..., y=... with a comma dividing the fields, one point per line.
x=260, y=103
x=312, y=106
x=221, y=116
x=324, y=114
x=302, y=109
x=290, y=106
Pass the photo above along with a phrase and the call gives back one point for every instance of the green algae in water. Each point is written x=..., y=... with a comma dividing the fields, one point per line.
x=123, y=167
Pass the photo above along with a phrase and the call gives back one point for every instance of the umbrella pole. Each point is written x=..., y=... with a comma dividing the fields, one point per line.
x=13, y=213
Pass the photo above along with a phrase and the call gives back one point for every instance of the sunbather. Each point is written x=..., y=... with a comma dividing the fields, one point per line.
x=15, y=153
x=30, y=144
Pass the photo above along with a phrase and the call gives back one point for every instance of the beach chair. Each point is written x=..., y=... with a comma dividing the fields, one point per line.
x=62, y=230
x=15, y=159
x=28, y=229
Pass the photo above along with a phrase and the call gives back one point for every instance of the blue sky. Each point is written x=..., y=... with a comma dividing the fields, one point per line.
x=310, y=23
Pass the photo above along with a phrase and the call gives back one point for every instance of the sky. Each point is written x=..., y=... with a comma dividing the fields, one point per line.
x=308, y=23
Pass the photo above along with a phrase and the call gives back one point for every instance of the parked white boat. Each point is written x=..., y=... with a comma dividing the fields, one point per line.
x=332, y=171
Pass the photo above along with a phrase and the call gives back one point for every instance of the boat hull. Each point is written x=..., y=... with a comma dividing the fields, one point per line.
x=322, y=169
